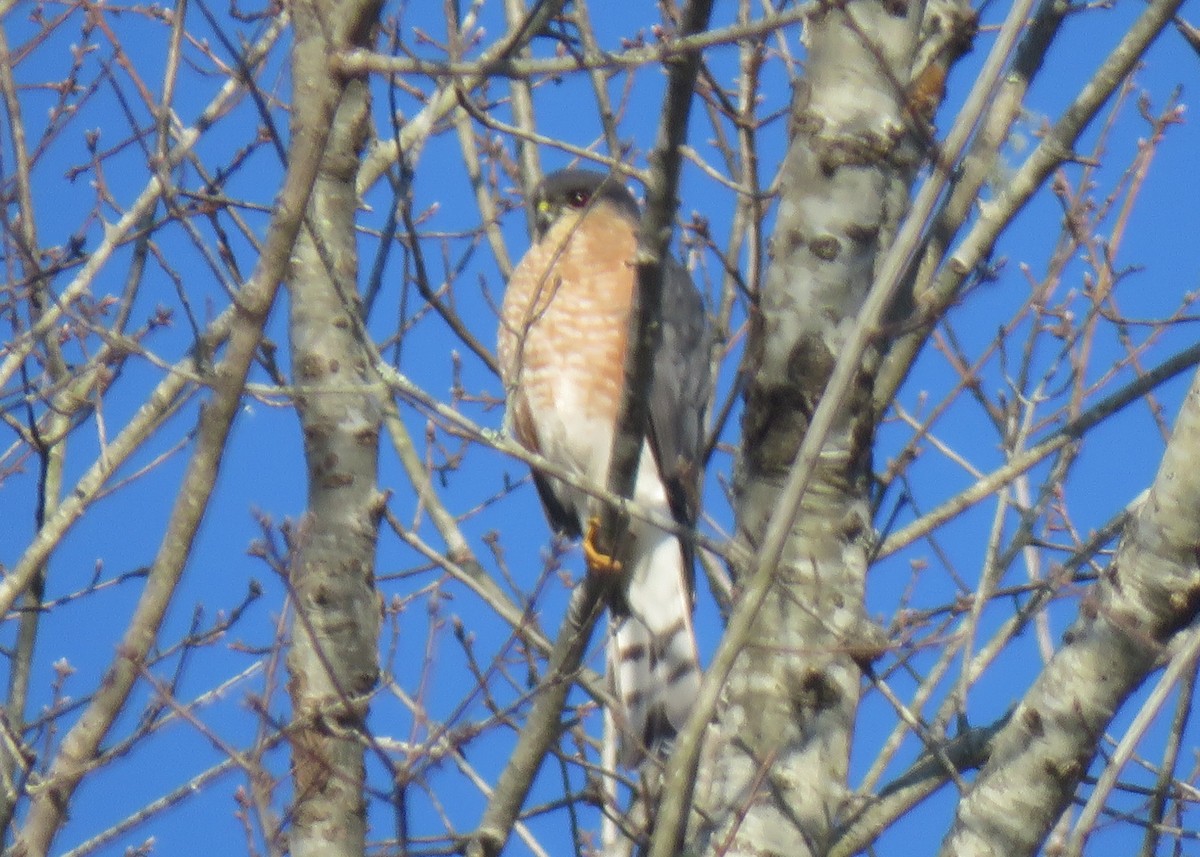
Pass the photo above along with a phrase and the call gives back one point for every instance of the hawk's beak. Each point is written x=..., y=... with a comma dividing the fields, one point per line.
x=544, y=217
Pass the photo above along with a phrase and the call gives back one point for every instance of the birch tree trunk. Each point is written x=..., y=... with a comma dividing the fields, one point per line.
x=780, y=749
x=333, y=660
x=1148, y=596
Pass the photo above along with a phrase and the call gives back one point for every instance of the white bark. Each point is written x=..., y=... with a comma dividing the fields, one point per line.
x=781, y=747
x=1149, y=593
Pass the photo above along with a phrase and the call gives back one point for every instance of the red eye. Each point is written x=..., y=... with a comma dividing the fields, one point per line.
x=578, y=198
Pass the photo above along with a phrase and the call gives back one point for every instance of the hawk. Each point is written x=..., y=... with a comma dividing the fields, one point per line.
x=562, y=340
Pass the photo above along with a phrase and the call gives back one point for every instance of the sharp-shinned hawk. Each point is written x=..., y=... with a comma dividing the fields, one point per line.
x=563, y=333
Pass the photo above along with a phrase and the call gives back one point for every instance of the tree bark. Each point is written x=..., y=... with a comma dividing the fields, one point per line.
x=333, y=661
x=1149, y=593
x=780, y=751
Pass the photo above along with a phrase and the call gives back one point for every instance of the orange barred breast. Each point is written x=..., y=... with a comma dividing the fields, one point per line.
x=563, y=335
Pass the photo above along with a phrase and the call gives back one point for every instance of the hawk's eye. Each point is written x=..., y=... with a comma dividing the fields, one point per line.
x=578, y=198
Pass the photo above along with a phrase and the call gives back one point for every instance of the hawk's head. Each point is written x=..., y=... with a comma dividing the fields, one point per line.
x=580, y=191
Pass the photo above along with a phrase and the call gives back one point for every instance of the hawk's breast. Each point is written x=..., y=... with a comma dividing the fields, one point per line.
x=563, y=335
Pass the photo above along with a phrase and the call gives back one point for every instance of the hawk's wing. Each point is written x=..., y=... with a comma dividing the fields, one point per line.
x=682, y=382
x=561, y=517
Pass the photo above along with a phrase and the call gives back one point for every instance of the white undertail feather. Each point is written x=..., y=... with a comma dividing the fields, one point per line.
x=653, y=661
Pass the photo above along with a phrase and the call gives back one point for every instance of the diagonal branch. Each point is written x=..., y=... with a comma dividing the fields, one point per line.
x=47, y=810
x=1148, y=594
x=446, y=98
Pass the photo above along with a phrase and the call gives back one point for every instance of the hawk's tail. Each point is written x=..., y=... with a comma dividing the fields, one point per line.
x=654, y=665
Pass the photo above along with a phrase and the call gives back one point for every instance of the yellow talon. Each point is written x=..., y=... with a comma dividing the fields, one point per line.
x=598, y=562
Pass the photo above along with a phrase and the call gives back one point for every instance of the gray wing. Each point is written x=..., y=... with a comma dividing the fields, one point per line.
x=679, y=396
x=560, y=515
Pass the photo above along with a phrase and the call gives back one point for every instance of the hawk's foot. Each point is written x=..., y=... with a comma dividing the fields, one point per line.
x=598, y=562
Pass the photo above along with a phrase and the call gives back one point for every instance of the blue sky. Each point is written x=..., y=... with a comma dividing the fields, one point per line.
x=264, y=472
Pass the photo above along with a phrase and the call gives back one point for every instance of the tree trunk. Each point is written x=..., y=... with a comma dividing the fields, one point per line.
x=333, y=660
x=777, y=775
